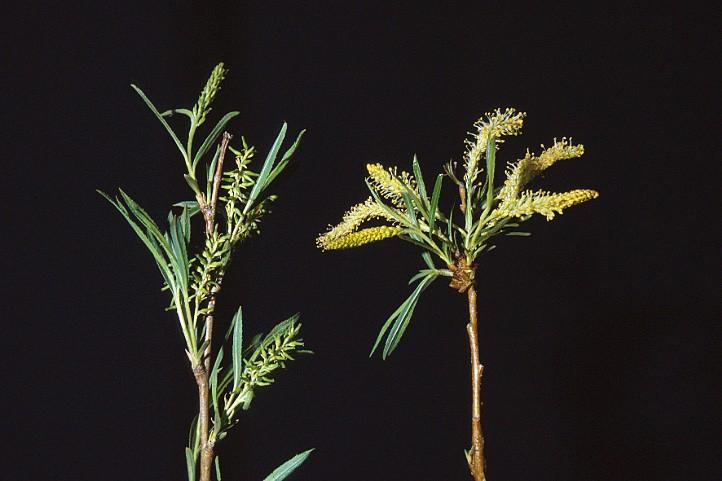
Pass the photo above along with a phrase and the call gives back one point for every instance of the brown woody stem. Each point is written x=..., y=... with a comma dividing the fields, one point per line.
x=201, y=375
x=210, y=217
x=477, y=461
x=201, y=370
x=209, y=210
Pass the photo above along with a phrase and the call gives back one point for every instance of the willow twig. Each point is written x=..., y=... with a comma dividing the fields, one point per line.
x=477, y=461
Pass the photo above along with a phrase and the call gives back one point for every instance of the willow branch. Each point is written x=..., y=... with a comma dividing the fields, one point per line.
x=476, y=459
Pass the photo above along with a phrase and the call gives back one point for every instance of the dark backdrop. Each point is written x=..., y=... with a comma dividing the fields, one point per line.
x=597, y=332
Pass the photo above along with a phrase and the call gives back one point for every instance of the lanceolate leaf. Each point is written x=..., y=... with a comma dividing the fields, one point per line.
x=420, y=180
x=169, y=113
x=392, y=213
x=190, y=205
x=190, y=465
x=435, y=202
x=404, y=317
x=265, y=170
x=490, y=166
x=193, y=438
x=398, y=321
x=192, y=183
x=211, y=172
x=237, y=348
x=386, y=326
x=409, y=236
x=162, y=120
x=410, y=209
x=288, y=467
x=152, y=240
x=285, y=159
x=421, y=274
x=429, y=261
x=212, y=137
x=281, y=327
x=213, y=381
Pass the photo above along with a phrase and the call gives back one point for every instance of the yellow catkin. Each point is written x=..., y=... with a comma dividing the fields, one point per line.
x=520, y=173
x=356, y=239
x=356, y=216
x=493, y=125
x=389, y=183
x=545, y=203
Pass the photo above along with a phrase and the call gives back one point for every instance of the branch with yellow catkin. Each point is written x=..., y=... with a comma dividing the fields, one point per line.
x=403, y=206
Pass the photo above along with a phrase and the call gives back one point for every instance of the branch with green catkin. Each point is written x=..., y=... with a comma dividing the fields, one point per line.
x=232, y=202
x=401, y=206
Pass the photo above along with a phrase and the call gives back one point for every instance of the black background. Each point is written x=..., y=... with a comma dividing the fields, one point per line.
x=596, y=332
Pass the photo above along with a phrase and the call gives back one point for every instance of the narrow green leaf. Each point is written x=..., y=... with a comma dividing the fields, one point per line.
x=213, y=380
x=386, y=325
x=285, y=159
x=191, y=206
x=178, y=254
x=412, y=214
x=218, y=468
x=404, y=317
x=422, y=273
x=237, y=347
x=490, y=166
x=193, y=438
x=190, y=465
x=247, y=399
x=146, y=220
x=429, y=261
x=211, y=172
x=288, y=467
x=282, y=327
x=435, y=202
x=212, y=137
x=392, y=213
x=450, y=226
x=266, y=169
x=401, y=317
x=192, y=183
x=420, y=181
x=150, y=244
x=169, y=113
x=162, y=120
x=253, y=345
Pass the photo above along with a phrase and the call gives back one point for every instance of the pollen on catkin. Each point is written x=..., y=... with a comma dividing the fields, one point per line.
x=389, y=183
x=545, y=203
x=356, y=239
x=492, y=126
x=523, y=171
x=356, y=216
